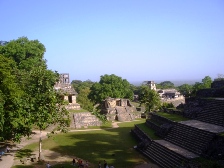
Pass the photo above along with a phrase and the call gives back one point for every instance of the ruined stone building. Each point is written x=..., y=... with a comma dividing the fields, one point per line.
x=169, y=93
x=68, y=92
x=151, y=84
x=166, y=95
x=119, y=110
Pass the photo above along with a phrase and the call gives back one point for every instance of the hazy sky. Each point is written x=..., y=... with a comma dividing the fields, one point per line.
x=137, y=40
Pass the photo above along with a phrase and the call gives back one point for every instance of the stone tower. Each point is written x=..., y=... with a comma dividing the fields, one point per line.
x=152, y=85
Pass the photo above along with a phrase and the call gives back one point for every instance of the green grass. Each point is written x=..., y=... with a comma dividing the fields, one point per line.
x=148, y=131
x=26, y=151
x=34, y=165
x=173, y=117
x=136, y=104
x=64, y=165
x=113, y=145
x=23, y=166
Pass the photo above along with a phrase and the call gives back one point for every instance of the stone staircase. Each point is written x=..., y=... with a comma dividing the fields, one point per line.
x=124, y=113
x=187, y=140
x=139, y=134
x=159, y=124
x=212, y=112
x=168, y=155
x=190, y=138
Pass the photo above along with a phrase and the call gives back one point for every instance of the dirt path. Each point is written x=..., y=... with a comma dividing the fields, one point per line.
x=8, y=160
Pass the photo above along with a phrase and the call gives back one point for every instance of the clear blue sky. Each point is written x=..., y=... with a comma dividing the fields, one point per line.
x=137, y=40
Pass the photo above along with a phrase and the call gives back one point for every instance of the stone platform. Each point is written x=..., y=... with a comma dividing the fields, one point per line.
x=177, y=149
x=204, y=126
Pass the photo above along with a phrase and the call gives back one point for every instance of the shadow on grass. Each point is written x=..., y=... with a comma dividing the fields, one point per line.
x=64, y=165
x=113, y=145
x=24, y=153
x=22, y=166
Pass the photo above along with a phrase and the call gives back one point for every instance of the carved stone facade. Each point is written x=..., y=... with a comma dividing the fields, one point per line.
x=68, y=92
x=119, y=110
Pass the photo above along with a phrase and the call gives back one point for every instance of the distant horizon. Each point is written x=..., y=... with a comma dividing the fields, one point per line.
x=175, y=82
x=139, y=82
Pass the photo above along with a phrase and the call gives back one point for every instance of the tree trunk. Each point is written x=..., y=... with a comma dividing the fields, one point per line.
x=40, y=147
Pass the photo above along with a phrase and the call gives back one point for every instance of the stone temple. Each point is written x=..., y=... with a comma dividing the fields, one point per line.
x=116, y=109
x=69, y=94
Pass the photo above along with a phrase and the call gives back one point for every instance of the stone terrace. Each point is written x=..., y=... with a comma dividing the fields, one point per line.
x=190, y=138
x=203, y=126
x=168, y=155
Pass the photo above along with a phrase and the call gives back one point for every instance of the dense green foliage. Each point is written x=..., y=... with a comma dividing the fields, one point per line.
x=205, y=84
x=78, y=85
x=26, y=53
x=149, y=98
x=83, y=99
x=110, y=86
x=165, y=85
x=83, y=89
x=13, y=116
x=190, y=90
x=27, y=95
x=135, y=89
x=185, y=89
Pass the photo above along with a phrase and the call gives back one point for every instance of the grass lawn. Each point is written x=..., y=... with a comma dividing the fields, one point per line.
x=150, y=132
x=173, y=117
x=113, y=145
x=23, y=166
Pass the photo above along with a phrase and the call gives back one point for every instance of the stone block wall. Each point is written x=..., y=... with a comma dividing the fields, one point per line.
x=213, y=92
x=116, y=109
x=73, y=106
x=85, y=119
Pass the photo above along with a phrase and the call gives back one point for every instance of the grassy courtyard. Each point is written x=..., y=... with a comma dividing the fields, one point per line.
x=173, y=117
x=113, y=145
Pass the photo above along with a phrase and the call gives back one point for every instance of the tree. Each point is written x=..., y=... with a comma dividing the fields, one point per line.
x=149, y=98
x=165, y=85
x=207, y=81
x=26, y=53
x=79, y=85
x=46, y=106
x=110, y=86
x=220, y=77
x=84, y=100
x=135, y=89
x=185, y=89
x=30, y=88
x=14, y=121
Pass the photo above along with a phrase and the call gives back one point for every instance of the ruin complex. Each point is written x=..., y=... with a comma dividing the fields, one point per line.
x=182, y=143
x=166, y=95
x=116, y=109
